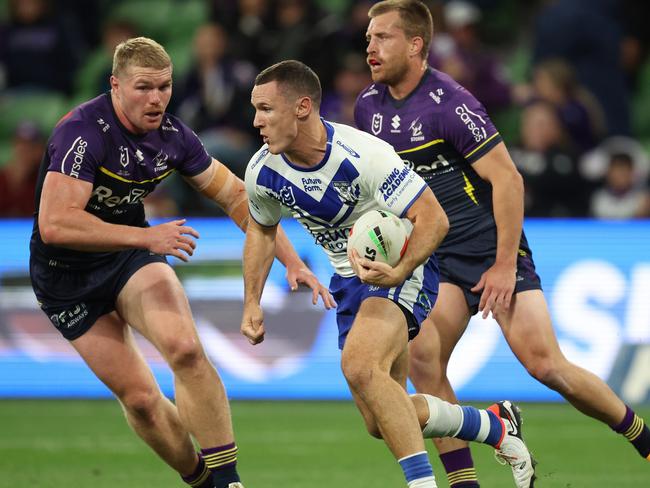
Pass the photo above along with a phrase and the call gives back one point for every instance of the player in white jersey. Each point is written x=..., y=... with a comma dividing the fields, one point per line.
x=327, y=175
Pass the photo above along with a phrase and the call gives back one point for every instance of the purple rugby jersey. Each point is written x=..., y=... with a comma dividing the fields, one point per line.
x=439, y=130
x=92, y=145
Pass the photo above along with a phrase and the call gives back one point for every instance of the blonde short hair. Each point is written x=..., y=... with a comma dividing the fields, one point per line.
x=142, y=52
x=415, y=19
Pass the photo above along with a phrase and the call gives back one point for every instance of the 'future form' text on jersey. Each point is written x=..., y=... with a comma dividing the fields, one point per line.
x=358, y=173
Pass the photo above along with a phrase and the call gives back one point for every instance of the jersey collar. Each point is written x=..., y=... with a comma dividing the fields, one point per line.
x=329, y=129
x=401, y=102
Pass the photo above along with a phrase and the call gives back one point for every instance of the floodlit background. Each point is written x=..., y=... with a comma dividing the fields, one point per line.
x=567, y=83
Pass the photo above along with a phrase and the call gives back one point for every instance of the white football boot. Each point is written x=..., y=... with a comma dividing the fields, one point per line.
x=512, y=450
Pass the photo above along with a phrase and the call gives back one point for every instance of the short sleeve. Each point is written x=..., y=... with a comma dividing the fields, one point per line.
x=467, y=126
x=196, y=158
x=76, y=150
x=393, y=185
x=264, y=207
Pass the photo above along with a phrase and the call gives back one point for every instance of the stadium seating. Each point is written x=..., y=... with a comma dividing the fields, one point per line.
x=42, y=108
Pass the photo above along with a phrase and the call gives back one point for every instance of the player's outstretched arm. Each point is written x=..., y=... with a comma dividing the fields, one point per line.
x=63, y=221
x=258, y=258
x=430, y=226
x=498, y=282
x=221, y=185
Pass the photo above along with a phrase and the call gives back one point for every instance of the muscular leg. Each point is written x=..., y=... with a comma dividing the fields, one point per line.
x=154, y=303
x=431, y=350
x=375, y=343
x=109, y=350
x=398, y=372
x=528, y=330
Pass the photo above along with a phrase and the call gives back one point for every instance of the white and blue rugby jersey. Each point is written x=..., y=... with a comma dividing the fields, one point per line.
x=358, y=173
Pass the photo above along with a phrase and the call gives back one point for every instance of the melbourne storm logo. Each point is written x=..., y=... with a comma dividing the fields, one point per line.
x=347, y=192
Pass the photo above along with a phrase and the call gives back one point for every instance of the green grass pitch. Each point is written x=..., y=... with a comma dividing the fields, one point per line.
x=55, y=444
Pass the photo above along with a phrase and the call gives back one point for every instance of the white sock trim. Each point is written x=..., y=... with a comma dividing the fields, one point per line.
x=428, y=482
x=413, y=455
x=484, y=430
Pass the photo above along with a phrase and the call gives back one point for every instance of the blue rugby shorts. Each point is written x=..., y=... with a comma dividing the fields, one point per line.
x=415, y=297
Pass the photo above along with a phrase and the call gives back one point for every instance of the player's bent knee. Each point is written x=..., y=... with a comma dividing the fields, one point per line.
x=548, y=372
x=421, y=352
x=186, y=354
x=357, y=373
x=141, y=404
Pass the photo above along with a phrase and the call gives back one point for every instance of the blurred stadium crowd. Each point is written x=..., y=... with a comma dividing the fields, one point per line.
x=567, y=83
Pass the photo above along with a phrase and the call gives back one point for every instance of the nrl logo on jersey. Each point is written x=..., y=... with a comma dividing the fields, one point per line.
x=348, y=193
x=124, y=156
x=285, y=197
x=377, y=120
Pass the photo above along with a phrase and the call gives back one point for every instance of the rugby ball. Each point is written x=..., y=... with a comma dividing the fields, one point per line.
x=379, y=236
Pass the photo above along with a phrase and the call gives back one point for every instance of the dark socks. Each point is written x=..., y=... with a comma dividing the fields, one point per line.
x=201, y=477
x=222, y=461
x=459, y=466
x=636, y=431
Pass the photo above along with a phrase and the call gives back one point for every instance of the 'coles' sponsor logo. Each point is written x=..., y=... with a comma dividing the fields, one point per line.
x=78, y=149
x=466, y=115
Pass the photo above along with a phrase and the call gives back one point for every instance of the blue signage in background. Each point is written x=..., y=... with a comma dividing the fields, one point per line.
x=596, y=277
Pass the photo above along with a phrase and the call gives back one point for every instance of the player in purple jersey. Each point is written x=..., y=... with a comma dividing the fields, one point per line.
x=328, y=175
x=443, y=132
x=97, y=267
